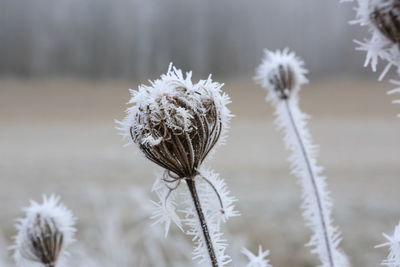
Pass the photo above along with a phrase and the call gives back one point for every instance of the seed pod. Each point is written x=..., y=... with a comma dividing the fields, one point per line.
x=386, y=19
x=44, y=233
x=176, y=123
x=282, y=79
x=43, y=241
x=281, y=73
x=185, y=133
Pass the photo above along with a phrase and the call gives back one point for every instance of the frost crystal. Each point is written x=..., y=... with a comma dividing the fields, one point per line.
x=44, y=233
x=282, y=74
x=165, y=208
x=218, y=207
x=259, y=260
x=393, y=259
x=382, y=19
x=394, y=91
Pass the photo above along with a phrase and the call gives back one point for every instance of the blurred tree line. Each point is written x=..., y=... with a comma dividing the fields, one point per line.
x=137, y=38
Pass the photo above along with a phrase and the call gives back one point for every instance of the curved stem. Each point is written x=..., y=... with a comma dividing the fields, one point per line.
x=207, y=238
x=215, y=191
x=313, y=182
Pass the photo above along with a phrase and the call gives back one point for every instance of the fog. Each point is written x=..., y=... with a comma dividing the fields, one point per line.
x=135, y=39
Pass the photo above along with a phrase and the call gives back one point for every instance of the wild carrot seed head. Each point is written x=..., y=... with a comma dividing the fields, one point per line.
x=281, y=73
x=44, y=232
x=382, y=20
x=44, y=241
x=176, y=123
x=385, y=16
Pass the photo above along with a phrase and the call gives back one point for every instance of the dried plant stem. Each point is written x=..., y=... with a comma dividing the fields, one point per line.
x=207, y=238
x=310, y=171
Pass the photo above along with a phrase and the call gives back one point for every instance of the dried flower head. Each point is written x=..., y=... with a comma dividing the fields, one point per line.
x=176, y=123
x=386, y=18
x=382, y=19
x=44, y=232
x=282, y=72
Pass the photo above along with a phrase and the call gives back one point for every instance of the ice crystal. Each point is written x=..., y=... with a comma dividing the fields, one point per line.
x=217, y=204
x=260, y=260
x=394, y=91
x=165, y=207
x=393, y=259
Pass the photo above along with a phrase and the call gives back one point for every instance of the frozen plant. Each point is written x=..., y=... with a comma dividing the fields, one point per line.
x=393, y=259
x=44, y=233
x=176, y=123
x=282, y=73
x=382, y=18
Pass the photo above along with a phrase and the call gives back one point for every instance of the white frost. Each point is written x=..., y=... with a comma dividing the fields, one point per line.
x=393, y=258
x=260, y=260
x=166, y=212
x=377, y=46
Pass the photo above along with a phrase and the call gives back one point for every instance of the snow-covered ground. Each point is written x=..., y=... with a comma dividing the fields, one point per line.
x=58, y=136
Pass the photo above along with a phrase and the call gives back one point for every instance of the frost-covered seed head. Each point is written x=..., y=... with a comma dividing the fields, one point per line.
x=44, y=232
x=282, y=73
x=282, y=79
x=386, y=18
x=176, y=123
x=382, y=20
x=44, y=241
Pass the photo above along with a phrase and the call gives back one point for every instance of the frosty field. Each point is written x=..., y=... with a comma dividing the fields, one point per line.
x=59, y=137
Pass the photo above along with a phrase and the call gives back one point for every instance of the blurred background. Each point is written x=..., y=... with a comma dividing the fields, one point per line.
x=66, y=65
